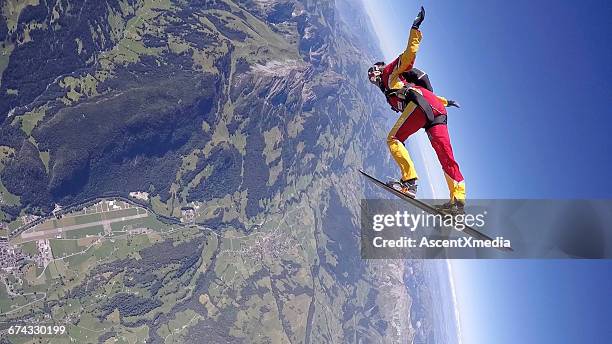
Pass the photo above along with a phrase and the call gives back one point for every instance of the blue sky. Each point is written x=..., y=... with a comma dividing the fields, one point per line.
x=506, y=302
x=534, y=79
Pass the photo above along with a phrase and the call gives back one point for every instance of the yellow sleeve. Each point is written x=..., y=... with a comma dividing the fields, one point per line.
x=443, y=100
x=406, y=59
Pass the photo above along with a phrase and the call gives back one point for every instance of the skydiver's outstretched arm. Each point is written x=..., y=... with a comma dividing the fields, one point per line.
x=406, y=59
x=414, y=40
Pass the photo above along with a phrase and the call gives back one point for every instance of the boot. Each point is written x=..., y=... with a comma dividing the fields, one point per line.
x=455, y=207
x=407, y=187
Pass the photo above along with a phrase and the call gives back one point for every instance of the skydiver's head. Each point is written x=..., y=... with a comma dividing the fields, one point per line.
x=375, y=73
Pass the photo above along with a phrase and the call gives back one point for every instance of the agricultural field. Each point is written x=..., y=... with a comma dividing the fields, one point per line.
x=79, y=243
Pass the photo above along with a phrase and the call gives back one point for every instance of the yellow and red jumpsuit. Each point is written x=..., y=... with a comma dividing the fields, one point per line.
x=415, y=116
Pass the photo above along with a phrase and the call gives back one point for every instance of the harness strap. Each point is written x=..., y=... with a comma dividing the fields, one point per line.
x=388, y=94
x=413, y=96
x=432, y=120
x=440, y=119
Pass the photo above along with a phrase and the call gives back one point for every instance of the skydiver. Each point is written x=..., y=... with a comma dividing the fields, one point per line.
x=409, y=92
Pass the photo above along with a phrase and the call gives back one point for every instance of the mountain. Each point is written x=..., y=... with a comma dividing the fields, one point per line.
x=242, y=123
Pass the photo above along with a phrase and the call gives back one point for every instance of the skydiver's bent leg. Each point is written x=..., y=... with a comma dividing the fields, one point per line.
x=440, y=141
x=411, y=120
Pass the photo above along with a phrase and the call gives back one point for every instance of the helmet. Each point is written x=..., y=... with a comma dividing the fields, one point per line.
x=375, y=73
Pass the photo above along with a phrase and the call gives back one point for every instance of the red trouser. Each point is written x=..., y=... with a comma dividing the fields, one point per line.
x=440, y=141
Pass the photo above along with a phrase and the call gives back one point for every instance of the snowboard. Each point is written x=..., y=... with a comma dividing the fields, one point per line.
x=428, y=208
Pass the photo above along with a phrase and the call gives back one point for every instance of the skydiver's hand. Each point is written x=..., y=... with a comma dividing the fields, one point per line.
x=419, y=19
x=452, y=103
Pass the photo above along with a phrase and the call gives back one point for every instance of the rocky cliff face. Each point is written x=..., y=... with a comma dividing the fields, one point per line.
x=254, y=113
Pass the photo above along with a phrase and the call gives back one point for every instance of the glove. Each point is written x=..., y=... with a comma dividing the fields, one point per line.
x=419, y=19
x=452, y=103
